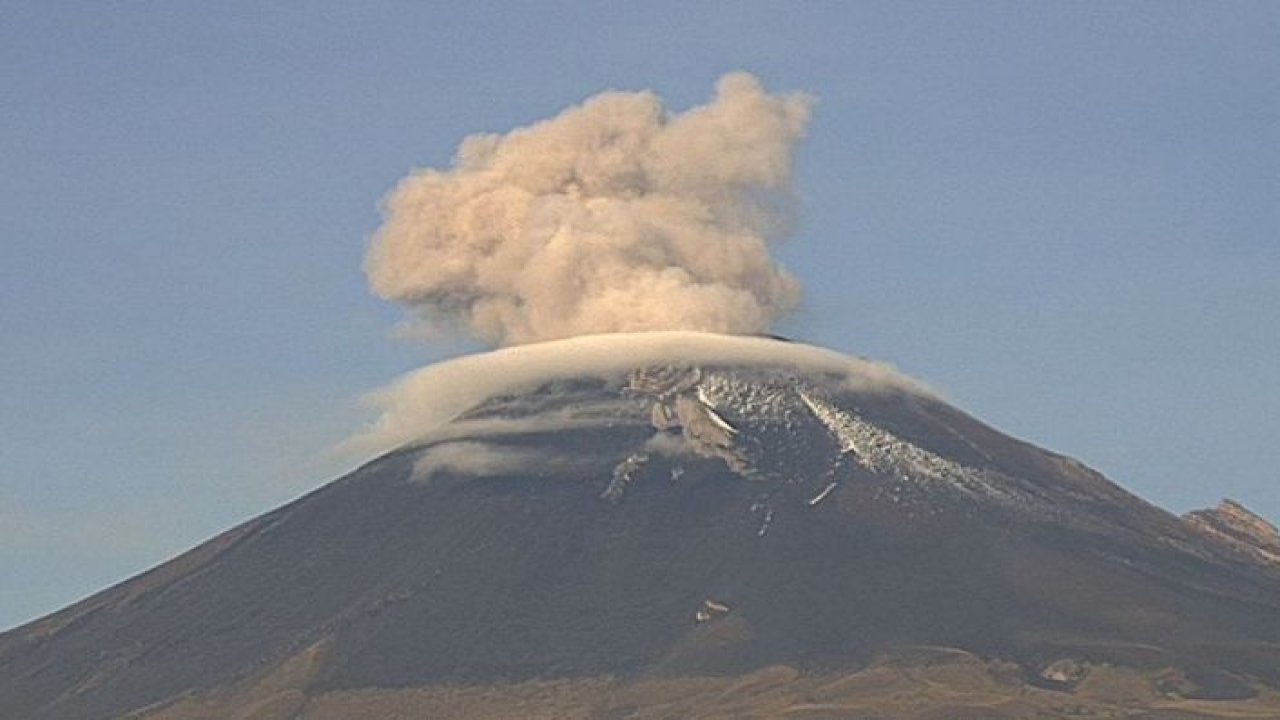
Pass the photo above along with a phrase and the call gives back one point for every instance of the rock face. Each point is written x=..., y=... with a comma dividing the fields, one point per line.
x=1236, y=527
x=684, y=519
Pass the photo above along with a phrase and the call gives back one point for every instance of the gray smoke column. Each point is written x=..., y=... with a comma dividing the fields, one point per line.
x=614, y=216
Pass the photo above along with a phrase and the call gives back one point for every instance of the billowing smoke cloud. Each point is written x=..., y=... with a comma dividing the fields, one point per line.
x=615, y=216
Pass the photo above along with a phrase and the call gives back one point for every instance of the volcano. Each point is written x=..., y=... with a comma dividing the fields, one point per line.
x=684, y=525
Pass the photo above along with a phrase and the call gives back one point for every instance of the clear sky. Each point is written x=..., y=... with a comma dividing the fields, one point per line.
x=1065, y=216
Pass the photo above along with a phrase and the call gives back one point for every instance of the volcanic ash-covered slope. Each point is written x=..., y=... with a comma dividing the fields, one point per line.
x=712, y=507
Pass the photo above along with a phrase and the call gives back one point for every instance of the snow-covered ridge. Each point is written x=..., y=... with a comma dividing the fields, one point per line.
x=776, y=411
x=883, y=452
x=423, y=401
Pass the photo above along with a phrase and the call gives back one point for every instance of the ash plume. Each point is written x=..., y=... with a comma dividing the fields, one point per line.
x=614, y=216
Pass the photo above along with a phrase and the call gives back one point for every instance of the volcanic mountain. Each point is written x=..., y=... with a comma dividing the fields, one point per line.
x=682, y=525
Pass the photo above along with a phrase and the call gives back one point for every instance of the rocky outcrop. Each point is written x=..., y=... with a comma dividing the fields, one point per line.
x=681, y=404
x=1064, y=673
x=1233, y=525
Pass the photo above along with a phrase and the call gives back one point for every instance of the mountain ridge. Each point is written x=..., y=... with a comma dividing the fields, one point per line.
x=686, y=519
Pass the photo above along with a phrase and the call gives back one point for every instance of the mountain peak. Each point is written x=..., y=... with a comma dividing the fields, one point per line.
x=622, y=508
x=425, y=400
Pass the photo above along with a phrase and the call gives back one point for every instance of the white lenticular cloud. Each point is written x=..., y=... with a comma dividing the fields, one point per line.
x=614, y=216
x=423, y=405
x=478, y=459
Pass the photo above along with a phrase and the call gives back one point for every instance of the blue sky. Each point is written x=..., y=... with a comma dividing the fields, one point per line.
x=1064, y=216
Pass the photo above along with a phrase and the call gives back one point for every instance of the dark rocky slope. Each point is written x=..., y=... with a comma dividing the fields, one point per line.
x=675, y=521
